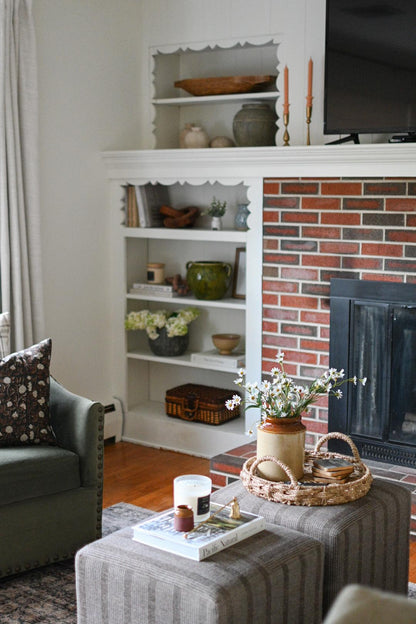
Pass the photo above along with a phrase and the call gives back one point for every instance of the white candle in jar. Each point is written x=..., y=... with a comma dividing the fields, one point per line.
x=195, y=491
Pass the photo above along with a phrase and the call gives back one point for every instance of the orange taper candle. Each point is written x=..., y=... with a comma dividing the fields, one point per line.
x=286, y=90
x=310, y=72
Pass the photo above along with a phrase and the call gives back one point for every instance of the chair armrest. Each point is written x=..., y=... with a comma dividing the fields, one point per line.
x=78, y=424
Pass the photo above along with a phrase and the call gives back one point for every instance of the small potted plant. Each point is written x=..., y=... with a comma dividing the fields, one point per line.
x=167, y=331
x=216, y=210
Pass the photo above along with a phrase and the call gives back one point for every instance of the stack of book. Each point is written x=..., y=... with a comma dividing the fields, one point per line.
x=213, y=359
x=332, y=470
x=158, y=290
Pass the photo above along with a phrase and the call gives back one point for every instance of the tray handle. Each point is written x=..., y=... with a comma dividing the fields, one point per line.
x=293, y=481
x=340, y=436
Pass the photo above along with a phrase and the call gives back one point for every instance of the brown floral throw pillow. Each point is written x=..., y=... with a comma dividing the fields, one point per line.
x=24, y=397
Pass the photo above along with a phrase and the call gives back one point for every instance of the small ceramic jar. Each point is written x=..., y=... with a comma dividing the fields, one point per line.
x=183, y=519
x=196, y=138
x=183, y=133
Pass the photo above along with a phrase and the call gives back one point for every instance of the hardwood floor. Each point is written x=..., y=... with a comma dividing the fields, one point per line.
x=143, y=476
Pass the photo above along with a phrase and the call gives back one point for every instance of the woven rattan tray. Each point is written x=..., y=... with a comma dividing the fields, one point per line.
x=303, y=492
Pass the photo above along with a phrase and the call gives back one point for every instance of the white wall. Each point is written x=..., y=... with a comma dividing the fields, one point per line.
x=94, y=95
x=88, y=65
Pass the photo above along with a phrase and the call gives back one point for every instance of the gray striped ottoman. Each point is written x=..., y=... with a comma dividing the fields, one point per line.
x=274, y=577
x=366, y=541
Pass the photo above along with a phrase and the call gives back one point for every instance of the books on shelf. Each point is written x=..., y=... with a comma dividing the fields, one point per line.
x=159, y=290
x=217, y=533
x=130, y=206
x=150, y=198
x=213, y=358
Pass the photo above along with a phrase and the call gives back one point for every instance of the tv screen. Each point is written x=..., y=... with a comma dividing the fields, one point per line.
x=370, y=66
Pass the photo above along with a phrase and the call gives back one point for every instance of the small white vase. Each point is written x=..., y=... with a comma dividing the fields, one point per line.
x=216, y=223
x=196, y=138
x=186, y=130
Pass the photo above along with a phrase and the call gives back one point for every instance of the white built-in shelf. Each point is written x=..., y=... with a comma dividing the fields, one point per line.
x=216, y=99
x=226, y=302
x=179, y=360
x=173, y=433
x=187, y=234
x=173, y=107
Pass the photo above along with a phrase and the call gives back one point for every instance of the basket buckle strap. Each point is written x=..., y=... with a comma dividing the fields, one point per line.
x=190, y=406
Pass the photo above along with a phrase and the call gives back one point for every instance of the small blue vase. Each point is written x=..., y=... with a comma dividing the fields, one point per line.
x=240, y=221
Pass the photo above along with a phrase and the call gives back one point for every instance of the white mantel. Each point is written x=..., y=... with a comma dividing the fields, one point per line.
x=386, y=159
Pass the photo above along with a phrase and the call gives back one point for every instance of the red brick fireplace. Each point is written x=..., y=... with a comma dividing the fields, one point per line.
x=315, y=229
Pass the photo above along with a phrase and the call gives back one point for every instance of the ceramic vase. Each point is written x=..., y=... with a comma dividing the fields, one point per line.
x=240, y=221
x=183, y=133
x=196, y=138
x=169, y=347
x=283, y=438
x=208, y=279
x=255, y=125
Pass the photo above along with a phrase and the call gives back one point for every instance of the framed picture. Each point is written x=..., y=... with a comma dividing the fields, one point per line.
x=239, y=280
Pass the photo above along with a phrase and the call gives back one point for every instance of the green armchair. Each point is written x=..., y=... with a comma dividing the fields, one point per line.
x=51, y=496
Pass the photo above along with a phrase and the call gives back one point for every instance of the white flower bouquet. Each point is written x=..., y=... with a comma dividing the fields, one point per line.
x=176, y=323
x=282, y=397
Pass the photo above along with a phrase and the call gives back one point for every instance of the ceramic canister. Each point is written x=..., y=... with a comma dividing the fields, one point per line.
x=284, y=439
x=208, y=279
x=183, y=519
x=255, y=125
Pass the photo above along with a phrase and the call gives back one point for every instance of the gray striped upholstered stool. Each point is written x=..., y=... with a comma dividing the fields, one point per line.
x=274, y=577
x=366, y=541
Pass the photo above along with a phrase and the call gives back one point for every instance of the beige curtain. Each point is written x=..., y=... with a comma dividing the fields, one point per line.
x=20, y=249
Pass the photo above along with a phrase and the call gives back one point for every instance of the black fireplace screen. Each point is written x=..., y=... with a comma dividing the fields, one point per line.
x=373, y=335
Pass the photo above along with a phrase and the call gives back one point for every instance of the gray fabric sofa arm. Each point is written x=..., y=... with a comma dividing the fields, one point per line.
x=78, y=424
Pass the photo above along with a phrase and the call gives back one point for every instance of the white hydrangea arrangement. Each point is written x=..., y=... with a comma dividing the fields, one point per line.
x=176, y=323
x=282, y=397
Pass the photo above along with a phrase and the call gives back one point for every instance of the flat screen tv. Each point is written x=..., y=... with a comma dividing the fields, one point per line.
x=370, y=67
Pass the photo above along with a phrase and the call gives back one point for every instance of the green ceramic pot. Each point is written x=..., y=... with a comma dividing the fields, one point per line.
x=208, y=279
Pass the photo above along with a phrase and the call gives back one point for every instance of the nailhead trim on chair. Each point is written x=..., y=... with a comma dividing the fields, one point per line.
x=100, y=467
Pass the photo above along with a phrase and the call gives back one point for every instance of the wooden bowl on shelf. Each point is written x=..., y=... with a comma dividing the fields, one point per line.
x=224, y=85
x=225, y=343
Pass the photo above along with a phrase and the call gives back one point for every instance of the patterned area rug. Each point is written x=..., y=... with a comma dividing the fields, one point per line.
x=47, y=595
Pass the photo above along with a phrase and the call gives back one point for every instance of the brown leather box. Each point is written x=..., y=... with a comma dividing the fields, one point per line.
x=198, y=403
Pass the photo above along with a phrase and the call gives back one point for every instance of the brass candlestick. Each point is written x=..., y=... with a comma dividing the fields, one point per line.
x=286, y=133
x=308, y=123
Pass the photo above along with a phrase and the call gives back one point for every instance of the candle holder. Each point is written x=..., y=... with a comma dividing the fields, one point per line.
x=193, y=491
x=308, y=123
x=286, y=133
